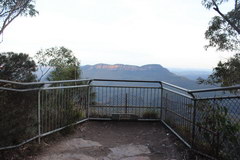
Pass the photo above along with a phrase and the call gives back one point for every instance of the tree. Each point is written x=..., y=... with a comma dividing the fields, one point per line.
x=225, y=74
x=224, y=30
x=61, y=64
x=17, y=67
x=18, y=110
x=64, y=65
x=223, y=33
x=11, y=9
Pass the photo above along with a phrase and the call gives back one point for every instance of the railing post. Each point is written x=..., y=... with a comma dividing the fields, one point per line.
x=218, y=148
x=39, y=116
x=89, y=98
x=126, y=103
x=161, y=103
x=194, y=122
x=88, y=102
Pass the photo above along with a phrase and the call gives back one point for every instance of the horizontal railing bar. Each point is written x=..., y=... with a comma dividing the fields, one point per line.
x=100, y=119
x=203, y=154
x=175, y=133
x=129, y=106
x=113, y=80
x=184, y=95
x=59, y=129
x=124, y=80
x=65, y=87
x=125, y=86
x=149, y=120
x=222, y=97
x=174, y=86
x=173, y=112
x=37, y=89
x=45, y=82
x=110, y=119
x=20, y=144
x=42, y=135
x=215, y=89
x=19, y=90
x=215, y=134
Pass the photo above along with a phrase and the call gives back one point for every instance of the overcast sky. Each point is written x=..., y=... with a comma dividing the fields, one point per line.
x=137, y=32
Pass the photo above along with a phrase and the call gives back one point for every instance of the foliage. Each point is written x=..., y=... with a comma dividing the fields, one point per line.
x=223, y=33
x=63, y=107
x=11, y=9
x=150, y=114
x=18, y=117
x=18, y=109
x=225, y=74
x=66, y=73
x=97, y=114
x=17, y=67
x=224, y=30
x=214, y=117
x=56, y=57
x=64, y=64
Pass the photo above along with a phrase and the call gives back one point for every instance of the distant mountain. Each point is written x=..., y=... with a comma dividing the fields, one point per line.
x=153, y=72
x=192, y=74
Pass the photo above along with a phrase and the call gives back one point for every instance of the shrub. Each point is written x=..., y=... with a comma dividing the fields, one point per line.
x=150, y=114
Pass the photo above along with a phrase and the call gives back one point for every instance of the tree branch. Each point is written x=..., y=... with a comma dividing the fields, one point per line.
x=18, y=6
x=43, y=74
x=224, y=17
x=7, y=21
x=236, y=4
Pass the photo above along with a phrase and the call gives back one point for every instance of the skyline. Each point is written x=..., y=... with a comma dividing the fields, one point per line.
x=135, y=32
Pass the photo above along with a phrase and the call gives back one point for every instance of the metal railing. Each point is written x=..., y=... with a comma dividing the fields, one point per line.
x=29, y=111
x=138, y=98
x=206, y=120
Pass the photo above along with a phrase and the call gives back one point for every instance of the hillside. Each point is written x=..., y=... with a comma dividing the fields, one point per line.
x=153, y=72
x=191, y=74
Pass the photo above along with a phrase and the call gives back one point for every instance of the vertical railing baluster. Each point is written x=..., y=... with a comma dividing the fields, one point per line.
x=166, y=106
x=161, y=104
x=126, y=101
x=39, y=116
x=88, y=100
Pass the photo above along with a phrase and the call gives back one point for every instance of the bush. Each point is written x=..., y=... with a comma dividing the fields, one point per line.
x=216, y=118
x=150, y=114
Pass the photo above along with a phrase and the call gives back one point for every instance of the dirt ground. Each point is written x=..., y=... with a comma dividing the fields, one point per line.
x=114, y=140
x=106, y=140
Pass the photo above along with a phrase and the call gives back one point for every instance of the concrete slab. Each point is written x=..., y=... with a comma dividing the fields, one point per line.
x=128, y=150
x=67, y=156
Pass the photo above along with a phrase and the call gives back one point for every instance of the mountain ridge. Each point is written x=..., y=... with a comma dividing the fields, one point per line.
x=152, y=72
x=123, y=66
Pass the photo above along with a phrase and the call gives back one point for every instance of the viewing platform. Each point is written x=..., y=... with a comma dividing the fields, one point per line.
x=121, y=119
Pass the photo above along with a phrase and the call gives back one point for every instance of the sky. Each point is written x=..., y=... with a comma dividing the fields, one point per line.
x=135, y=32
